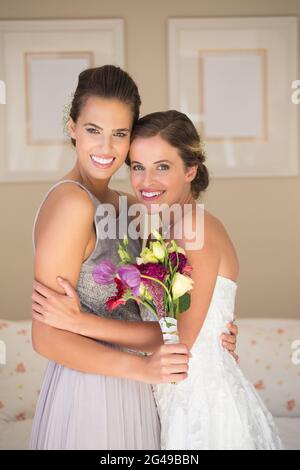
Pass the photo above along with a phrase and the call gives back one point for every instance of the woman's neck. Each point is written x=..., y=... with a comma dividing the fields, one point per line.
x=187, y=203
x=97, y=187
x=166, y=222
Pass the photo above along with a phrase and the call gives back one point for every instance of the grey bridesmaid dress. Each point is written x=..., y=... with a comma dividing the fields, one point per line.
x=77, y=410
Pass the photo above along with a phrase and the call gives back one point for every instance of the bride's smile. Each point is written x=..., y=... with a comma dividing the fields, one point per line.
x=158, y=173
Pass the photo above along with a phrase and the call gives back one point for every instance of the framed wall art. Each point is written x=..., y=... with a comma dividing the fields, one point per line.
x=233, y=77
x=39, y=64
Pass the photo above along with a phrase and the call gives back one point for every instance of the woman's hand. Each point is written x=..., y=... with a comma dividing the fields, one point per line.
x=229, y=340
x=61, y=311
x=168, y=364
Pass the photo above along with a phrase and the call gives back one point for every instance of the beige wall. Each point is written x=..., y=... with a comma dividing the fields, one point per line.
x=261, y=215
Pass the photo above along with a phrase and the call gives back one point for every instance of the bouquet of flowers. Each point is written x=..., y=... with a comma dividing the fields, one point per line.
x=159, y=279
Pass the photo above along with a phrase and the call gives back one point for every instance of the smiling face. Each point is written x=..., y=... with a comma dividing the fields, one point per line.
x=158, y=173
x=102, y=134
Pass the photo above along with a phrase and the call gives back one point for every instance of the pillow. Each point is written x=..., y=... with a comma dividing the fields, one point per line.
x=265, y=350
x=21, y=375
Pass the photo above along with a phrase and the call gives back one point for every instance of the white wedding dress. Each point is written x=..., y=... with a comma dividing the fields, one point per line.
x=215, y=407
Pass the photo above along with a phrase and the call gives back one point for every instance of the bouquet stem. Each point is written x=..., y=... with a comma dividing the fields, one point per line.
x=169, y=330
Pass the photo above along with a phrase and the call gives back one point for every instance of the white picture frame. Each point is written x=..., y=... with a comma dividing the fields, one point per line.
x=39, y=64
x=233, y=78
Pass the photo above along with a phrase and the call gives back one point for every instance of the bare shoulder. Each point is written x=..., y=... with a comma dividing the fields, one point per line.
x=66, y=205
x=62, y=234
x=199, y=220
x=68, y=196
x=215, y=230
x=208, y=238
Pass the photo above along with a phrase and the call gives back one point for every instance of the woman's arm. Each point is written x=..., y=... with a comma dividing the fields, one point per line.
x=64, y=312
x=205, y=263
x=169, y=363
x=140, y=336
x=62, y=234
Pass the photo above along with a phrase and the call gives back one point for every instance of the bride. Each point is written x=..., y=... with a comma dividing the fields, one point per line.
x=215, y=407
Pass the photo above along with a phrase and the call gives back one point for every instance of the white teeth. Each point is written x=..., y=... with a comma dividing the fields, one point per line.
x=102, y=161
x=146, y=194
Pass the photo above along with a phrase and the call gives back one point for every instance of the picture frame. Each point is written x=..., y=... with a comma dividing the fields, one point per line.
x=40, y=61
x=233, y=78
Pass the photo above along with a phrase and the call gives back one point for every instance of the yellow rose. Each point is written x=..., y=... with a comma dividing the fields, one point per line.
x=181, y=285
x=148, y=256
x=158, y=250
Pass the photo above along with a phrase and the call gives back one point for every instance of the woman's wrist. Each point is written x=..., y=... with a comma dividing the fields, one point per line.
x=138, y=369
x=83, y=323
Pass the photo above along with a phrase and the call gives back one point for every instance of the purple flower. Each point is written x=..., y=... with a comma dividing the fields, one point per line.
x=182, y=261
x=131, y=277
x=156, y=270
x=105, y=272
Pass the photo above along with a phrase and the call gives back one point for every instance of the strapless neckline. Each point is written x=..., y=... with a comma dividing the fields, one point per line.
x=228, y=280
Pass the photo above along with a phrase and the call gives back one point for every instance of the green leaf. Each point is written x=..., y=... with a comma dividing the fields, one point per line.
x=184, y=302
x=127, y=294
x=125, y=241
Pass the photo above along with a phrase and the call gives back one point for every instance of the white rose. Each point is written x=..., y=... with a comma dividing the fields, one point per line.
x=181, y=285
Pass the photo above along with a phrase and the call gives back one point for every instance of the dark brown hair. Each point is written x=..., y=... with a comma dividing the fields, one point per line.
x=107, y=81
x=179, y=131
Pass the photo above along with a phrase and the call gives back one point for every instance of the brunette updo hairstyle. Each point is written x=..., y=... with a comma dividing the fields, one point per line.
x=107, y=81
x=179, y=131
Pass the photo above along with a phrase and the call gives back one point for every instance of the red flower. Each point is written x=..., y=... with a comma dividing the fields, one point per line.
x=182, y=261
x=115, y=300
x=156, y=270
x=113, y=303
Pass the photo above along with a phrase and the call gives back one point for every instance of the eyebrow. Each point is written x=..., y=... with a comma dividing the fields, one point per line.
x=98, y=127
x=159, y=161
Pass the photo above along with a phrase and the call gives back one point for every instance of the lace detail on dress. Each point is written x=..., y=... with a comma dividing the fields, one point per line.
x=216, y=407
